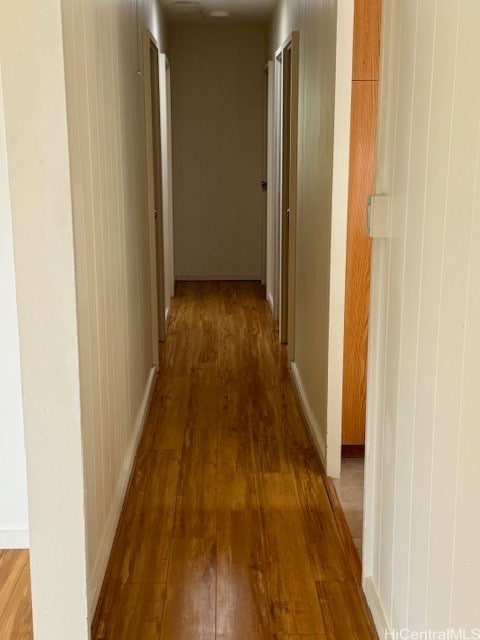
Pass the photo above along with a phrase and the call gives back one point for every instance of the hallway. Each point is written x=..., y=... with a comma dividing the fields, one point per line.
x=227, y=532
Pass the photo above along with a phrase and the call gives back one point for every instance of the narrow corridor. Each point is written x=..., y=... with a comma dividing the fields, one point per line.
x=227, y=532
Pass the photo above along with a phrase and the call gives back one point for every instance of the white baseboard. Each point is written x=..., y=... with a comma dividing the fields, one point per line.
x=100, y=565
x=270, y=303
x=202, y=277
x=168, y=314
x=14, y=539
x=376, y=609
x=314, y=427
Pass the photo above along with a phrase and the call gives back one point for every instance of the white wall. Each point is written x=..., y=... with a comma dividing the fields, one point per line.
x=218, y=98
x=326, y=35
x=423, y=439
x=13, y=473
x=103, y=54
x=40, y=194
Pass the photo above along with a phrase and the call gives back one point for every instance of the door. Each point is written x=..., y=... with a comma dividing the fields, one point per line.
x=361, y=185
x=288, y=190
x=154, y=188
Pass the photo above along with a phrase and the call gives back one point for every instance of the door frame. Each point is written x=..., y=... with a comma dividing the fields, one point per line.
x=286, y=194
x=154, y=221
x=167, y=176
x=265, y=168
x=270, y=244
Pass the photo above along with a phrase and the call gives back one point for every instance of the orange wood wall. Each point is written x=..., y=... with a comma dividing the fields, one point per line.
x=362, y=176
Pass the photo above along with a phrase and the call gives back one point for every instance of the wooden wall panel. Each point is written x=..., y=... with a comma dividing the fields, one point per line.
x=366, y=40
x=362, y=173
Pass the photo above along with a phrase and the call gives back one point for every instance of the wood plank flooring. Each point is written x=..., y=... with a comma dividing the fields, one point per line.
x=227, y=532
x=15, y=601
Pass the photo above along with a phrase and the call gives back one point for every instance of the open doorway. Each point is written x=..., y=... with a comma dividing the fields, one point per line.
x=159, y=179
x=347, y=492
x=154, y=189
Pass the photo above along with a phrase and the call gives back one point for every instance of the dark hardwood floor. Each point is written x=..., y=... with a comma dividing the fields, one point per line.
x=227, y=531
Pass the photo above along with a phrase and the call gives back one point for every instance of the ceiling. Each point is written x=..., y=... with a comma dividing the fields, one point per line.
x=198, y=10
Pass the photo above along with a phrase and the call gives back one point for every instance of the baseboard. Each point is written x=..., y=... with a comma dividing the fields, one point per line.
x=14, y=539
x=168, y=315
x=376, y=609
x=100, y=565
x=314, y=428
x=353, y=451
x=219, y=277
x=270, y=303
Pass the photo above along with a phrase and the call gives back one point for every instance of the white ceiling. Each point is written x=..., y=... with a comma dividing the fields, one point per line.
x=198, y=10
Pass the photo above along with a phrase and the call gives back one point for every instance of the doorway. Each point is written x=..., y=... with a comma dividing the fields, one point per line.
x=287, y=62
x=159, y=185
x=348, y=490
x=154, y=188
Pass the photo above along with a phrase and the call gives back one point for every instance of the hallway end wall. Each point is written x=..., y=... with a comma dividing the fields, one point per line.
x=218, y=120
x=105, y=101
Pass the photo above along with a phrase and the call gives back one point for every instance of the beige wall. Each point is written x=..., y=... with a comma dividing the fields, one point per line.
x=218, y=97
x=107, y=155
x=423, y=482
x=76, y=165
x=324, y=112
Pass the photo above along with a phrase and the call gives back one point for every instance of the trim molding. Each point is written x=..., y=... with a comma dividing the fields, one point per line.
x=103, y=555
x=202, y=277
x=14, y=539
x=270, y=303
x=314, y=428
x=376, y=609
x=353, y=451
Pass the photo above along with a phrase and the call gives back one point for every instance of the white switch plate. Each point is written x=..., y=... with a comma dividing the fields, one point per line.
x=378, y=216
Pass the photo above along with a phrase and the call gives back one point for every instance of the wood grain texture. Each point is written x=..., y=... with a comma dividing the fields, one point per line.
x=344, y=612
x=366, y=62
x=15, y=600
x=327, y=556
x=251, y=532
x=190, y=601
x=242, y=600
x=366, y=40
x=293, y=601
x=357, y=295
x=344, y=531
